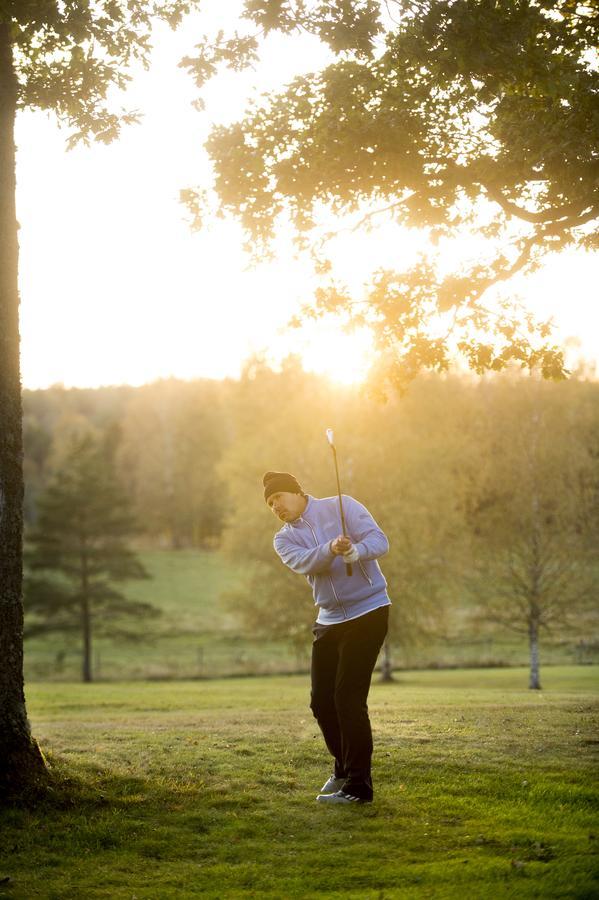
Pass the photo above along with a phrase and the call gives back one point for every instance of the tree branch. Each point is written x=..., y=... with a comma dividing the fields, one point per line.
x=546, y=217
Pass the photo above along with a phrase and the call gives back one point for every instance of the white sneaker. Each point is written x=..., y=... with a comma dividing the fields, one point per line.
x=332, y=785
x=341, y=797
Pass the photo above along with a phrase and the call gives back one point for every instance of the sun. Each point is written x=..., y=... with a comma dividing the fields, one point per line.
x=343, y=357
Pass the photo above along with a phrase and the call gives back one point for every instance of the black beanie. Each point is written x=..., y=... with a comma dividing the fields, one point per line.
x=280, y=481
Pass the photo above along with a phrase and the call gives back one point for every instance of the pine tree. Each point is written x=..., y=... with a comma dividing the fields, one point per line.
x=78, y=551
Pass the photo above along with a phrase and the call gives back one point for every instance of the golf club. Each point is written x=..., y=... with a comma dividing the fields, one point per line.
x=331, y=440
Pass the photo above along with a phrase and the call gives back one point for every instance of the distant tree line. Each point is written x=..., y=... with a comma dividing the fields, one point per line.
x=488, y=489
x=168, y=437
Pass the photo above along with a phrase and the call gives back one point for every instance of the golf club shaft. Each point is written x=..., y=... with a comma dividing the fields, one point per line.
x=348, y=566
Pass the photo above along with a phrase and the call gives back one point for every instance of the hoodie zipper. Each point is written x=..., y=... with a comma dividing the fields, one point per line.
x=364, y=573
x=329, y=577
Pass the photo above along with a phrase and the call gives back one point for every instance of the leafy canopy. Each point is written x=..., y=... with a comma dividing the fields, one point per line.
x=459, y=117
x=68, y=55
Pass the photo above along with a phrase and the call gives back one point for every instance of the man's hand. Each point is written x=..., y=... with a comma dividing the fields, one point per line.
x=352, y=555
x=341, y=545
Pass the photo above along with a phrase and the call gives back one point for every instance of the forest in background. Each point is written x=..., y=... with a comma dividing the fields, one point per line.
x=487, y=487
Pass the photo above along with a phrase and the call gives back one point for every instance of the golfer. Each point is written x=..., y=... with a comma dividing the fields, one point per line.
x=351, y=624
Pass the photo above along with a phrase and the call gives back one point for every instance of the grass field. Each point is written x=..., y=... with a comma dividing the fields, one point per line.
x=197, y=636
x=206, y=789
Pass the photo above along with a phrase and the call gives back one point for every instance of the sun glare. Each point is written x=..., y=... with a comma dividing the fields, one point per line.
x=328, y=350
x=162, y=302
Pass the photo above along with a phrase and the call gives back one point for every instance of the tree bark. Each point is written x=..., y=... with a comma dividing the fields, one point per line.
x=86, y=625
x=386, y=664
x=87, y=640
x=22, y=766
x=536, y=568
x=533, y=642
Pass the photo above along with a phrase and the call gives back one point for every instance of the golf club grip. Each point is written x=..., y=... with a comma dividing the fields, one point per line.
x=348, y=566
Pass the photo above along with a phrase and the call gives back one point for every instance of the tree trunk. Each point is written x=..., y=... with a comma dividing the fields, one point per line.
x=86, y=625
x=22, y=765
x=533, y=643
x=386, y=664
x=536, y=567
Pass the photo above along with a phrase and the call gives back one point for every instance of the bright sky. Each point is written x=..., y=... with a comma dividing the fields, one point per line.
x=116, y=289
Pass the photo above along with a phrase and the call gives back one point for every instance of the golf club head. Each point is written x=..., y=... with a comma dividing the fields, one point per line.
x=330, y=438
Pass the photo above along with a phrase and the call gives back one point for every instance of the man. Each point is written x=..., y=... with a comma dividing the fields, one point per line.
x=351, y=624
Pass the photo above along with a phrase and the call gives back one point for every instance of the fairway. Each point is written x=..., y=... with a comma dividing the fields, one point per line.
x=199, y=636
x=206, y=789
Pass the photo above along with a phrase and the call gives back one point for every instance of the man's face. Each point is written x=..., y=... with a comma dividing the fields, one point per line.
x=287, y=506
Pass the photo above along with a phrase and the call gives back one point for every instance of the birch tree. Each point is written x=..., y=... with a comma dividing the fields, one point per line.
x=534, y=518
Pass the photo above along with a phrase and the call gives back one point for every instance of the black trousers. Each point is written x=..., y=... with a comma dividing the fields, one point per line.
x=343, y=660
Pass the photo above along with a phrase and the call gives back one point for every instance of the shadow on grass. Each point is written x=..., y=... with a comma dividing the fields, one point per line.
x=101, y=832
x=84, y=791
x=89, y=814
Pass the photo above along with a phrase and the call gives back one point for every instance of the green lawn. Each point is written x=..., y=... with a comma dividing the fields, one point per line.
x=197, y=636
x=206, y=789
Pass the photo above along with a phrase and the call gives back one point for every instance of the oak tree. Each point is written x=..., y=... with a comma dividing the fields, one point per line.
x=462, y=118
x=62, y=58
